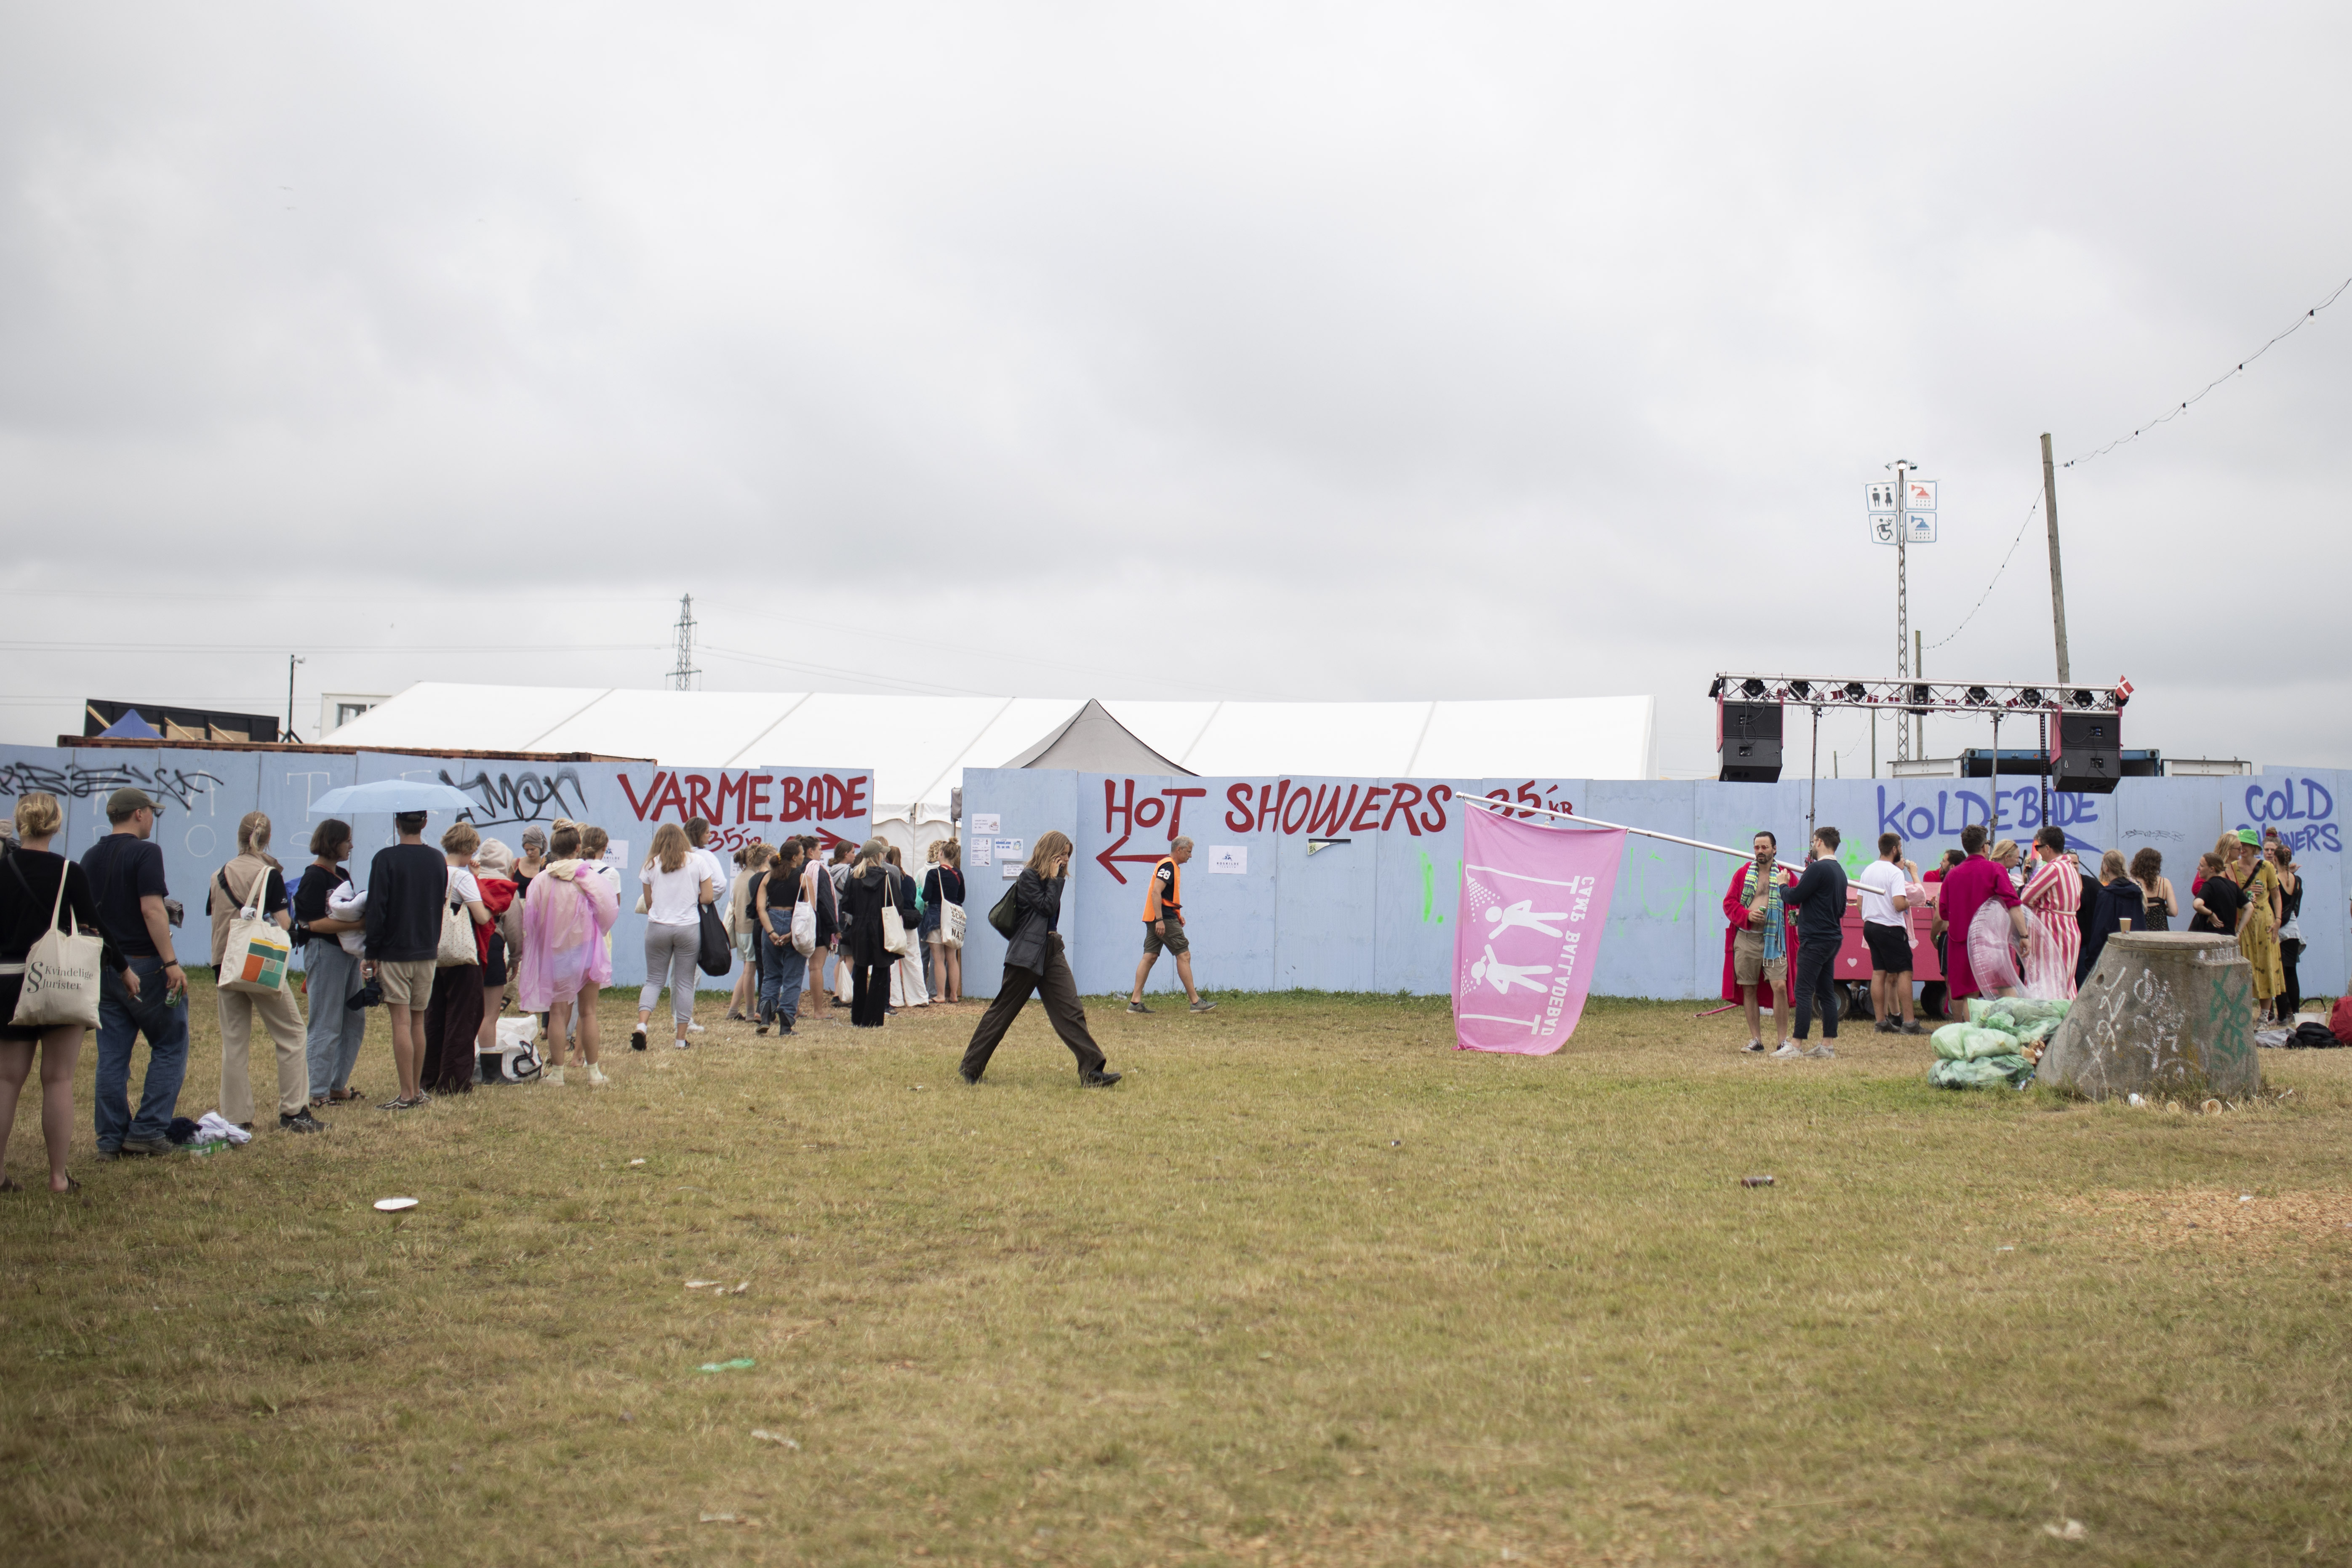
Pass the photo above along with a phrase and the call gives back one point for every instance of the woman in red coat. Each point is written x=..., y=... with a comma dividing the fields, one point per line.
x=1756, y=957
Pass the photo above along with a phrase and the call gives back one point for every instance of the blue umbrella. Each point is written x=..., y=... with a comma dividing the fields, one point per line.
x=393, y=794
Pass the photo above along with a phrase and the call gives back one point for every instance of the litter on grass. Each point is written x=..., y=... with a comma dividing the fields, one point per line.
x=393, y=1206
x=636, y=1162
x=762, y=1434
x=739, y=1363
x=2072, y=1531
x=1755, y=1181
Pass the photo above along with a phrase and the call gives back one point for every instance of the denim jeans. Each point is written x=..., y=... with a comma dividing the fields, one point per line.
x=336, y=1032
x=122, y=1019
x=784, y=970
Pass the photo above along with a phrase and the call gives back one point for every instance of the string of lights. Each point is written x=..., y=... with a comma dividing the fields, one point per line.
x=2166, y=417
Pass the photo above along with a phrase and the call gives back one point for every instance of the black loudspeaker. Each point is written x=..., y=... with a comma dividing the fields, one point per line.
x=1748, y=742
x=2089, y=756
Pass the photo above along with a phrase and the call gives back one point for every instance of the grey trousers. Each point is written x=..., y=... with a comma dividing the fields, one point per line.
x=670, y=953
x=336, y=1032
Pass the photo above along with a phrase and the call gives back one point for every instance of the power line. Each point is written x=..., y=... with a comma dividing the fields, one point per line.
x=2170, y=414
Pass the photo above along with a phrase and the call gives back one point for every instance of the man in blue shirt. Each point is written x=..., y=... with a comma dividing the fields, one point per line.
x=1819, y=898
x=125, y=869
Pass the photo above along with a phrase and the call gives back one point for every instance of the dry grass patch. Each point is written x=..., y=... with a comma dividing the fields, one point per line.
x=1308, y=1287
x=2314, y=1226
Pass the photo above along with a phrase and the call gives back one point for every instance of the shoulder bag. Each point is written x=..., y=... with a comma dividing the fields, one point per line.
x=254, y=957
x=61, y=968
x=803, y=926
x=1006, y=916
x=456, y=949
x=894, y=924
x=952, y=916
x=715, y=950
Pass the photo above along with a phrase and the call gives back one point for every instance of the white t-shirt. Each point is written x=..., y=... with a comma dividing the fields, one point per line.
x=462, y=885
x=674, y=897
x=1879, y=884
x=712, y=866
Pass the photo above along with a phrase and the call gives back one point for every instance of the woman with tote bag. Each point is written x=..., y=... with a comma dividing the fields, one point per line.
x=42, y=895
x=250, y=914
x=943, y=917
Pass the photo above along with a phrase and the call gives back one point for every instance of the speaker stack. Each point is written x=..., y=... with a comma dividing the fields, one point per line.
x=1747, y=742
x=2088, y=758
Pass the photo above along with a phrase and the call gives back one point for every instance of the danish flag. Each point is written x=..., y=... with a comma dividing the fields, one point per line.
x=2123, y=688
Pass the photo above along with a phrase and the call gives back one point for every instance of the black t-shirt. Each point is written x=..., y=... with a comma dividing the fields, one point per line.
x=1819, y=898
x=407, y=884
x=311, y=893
x=1164, y=874
x=943, y=884
x=122, y=869
x=2227, y=901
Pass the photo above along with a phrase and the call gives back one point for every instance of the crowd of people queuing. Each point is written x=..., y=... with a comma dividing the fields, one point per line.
x=2004, y=921
x=443, y=938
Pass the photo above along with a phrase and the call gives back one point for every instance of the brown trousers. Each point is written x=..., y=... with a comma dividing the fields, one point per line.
x=453, y=1023
x=1057, y=990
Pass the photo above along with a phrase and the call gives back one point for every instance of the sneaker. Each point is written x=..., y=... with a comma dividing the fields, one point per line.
x=553, y=1076
x=1137, y=1008
x=394, y=1103
x=638, y=1039
x=109, y=1155
x=1097, y=1079
x=150, y=1146
x=679, y=1042
x=971, y=1078
x=300, y=1121
x=596, y=1078
x=1912, y=1029
x=1757, y=1046
x=1888, y=1027
x=1203, y=1004
x=762, y=1029
x=1789, y=1051
x=1823, y=1052
x=694, y=1028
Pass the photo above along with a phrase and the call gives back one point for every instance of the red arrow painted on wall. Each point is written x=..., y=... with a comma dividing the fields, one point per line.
x=1111, y=853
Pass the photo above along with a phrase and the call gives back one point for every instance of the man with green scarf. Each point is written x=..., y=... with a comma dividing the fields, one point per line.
x=1755, y=946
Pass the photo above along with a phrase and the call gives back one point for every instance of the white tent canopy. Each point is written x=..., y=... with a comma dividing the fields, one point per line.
x=920, y=746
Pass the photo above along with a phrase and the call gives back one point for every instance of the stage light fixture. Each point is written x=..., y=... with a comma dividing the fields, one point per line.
x=1855, y=691
x=2029, y=698
x=2083, y=698
x=1979, y=695
x=1801, y=689
x=1751, y=688
x=1714, y=687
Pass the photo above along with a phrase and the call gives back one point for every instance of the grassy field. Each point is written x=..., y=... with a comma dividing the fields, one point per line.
x=1308, y=1287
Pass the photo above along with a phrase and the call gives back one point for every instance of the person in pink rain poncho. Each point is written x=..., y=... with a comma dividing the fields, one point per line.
x=564, y=958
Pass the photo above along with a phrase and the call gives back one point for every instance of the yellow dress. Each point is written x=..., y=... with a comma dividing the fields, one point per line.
x=2258, y=932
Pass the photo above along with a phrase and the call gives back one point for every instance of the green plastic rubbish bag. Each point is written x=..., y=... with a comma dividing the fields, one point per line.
x=2013, y=1013
x=1981, y=1073
x=1947, y=1042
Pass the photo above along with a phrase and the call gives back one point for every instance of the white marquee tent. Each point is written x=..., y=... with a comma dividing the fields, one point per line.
x=920, y=746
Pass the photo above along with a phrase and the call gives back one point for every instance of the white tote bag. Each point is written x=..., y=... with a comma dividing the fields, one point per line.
x=950, y=916
x=804, y=928
x=456, y=949
x=61, y=969
x=254, y=958
x=893, y=926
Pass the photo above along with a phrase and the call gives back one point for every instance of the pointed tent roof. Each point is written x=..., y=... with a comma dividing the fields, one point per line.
x=130, y=727
x=1092, y=741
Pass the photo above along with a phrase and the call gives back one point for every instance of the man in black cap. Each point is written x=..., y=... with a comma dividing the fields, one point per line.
x=125, y=869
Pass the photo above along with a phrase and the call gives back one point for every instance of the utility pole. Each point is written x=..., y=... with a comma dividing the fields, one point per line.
x=682, y=678
x=2057, y=578
x=1902, y=466
x=291, y=660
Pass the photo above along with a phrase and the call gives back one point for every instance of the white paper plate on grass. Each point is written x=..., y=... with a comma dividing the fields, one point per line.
x=393, y=1206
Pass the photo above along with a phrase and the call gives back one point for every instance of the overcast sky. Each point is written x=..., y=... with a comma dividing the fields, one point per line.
x=1309, y=350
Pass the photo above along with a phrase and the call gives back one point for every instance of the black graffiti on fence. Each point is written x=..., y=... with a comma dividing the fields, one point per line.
x=524, y=798
x=76, y=782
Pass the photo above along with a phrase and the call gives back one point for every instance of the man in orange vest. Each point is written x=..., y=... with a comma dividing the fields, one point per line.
x=1163, y=926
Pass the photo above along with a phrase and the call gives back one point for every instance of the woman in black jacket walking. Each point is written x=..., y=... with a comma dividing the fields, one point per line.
x=1034, y=962
x=872, y=885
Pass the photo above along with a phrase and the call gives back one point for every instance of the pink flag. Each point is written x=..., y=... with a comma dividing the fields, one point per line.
x=1527, y=930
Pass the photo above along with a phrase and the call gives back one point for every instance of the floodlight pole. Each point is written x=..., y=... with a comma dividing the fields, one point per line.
x=1902, y=466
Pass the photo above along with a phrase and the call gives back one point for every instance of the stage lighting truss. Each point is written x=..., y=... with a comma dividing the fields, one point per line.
x=1916, y=696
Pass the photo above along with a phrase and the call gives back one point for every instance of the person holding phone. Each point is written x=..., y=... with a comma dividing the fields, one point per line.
x=1035, y=961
